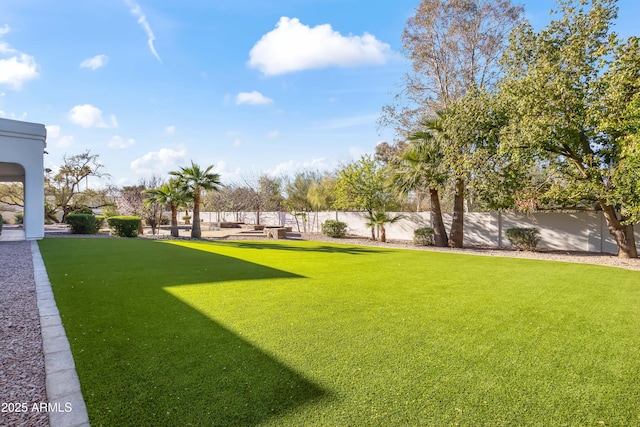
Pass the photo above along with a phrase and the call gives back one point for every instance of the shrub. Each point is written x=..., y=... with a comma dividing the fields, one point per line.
x=333, y=228
x=18, y=218
x=82, y=209
x=523, y=239
x=99, y=221
x=423, y=236
x=82, y=223
x=125, y=226
x=1, y=222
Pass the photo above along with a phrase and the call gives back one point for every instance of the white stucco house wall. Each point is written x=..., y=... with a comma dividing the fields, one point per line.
x=22, y=147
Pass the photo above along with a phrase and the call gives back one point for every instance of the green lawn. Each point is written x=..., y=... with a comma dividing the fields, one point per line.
x=289, y=333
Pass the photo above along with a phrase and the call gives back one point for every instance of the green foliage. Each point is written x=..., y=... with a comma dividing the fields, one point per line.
x=362, y=186
x=1, y=222
x=334, y=228
x=423, y=236
x=18, y=218
x=125, y=226
x=570, y=89
x=523, y=239
x=82, y=223
x=82, y=209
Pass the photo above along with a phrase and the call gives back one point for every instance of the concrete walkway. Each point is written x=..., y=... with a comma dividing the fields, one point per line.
x=63, y=386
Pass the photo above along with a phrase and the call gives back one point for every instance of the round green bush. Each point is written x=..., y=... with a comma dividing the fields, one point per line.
x=82, y=223
x=423, y=236
x=333, y=228
x=125, y=226
x=523, y=239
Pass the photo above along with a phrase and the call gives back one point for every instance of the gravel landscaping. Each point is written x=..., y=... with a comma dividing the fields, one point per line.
x=22, y=372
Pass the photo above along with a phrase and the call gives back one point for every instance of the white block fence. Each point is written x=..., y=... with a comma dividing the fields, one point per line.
x=580, y=231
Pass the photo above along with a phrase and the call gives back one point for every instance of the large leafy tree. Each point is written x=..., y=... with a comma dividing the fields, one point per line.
x=362, y=186
x=193, y=180
x=572, y=89
x=64, y=189
x=454, y=47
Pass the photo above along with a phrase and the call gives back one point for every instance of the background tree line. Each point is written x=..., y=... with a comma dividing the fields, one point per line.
x=491, y=115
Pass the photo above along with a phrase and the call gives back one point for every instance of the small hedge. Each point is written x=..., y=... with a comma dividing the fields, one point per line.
x=82, y=223
x=333, y=228
x=1, y=222
x=423, y=236
x=523, y=239
x=125, y=226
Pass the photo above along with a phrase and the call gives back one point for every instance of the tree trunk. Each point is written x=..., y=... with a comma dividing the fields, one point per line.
x=383, y=234
x=439, y=231
x=195, y=227
x=174, y=221
x=622, y=233
x=456, y=236
x=373, y=227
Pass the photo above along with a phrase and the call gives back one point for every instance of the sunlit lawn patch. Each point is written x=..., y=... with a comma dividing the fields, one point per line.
x=307, y=333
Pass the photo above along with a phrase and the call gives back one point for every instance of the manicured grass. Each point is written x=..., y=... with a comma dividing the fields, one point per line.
x=305, y=333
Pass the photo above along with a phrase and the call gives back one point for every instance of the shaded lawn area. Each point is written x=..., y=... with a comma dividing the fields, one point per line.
x=309, y=333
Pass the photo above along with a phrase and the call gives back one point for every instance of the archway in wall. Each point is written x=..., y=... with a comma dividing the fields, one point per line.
x=14, y=173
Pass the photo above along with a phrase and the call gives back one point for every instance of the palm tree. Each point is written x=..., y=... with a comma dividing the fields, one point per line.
x=379, y=220
x=420, y=168
x=171, y=195
x=193, y=180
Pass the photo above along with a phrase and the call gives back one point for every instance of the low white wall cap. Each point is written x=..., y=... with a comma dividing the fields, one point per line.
x=19, y=129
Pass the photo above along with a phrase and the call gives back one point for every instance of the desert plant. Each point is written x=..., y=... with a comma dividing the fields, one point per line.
x=334, y=228
x=125, y=226
x=18, y=218
x=523, y=239
x=82, y=223
x=423, y=236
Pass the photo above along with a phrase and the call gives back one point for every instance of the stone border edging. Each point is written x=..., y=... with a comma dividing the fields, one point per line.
x=67, y=407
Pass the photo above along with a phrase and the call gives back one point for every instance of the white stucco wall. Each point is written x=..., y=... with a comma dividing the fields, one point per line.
x=579, y=231
x=23, y=143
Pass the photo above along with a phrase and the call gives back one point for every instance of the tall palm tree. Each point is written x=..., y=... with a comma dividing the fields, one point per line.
x=193, y=180
x=171, y=195
x=420, y=168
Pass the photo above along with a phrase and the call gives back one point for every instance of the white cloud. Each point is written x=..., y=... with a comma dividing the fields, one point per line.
x=252, y=98
x=160, y=161
x=56, y=139
x=88, y=116
x=53, y=131
x=293, y=46
x=170, y=130
x=273, y=134
x=136, y=11
x=118, y=142
x=290, y=167
x=16, y=67
x=96, y=62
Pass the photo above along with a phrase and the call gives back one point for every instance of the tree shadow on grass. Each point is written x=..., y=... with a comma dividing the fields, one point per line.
x=342, y=248
x=145, y=357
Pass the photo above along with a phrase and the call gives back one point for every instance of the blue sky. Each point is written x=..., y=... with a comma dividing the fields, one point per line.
x=249, y=86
